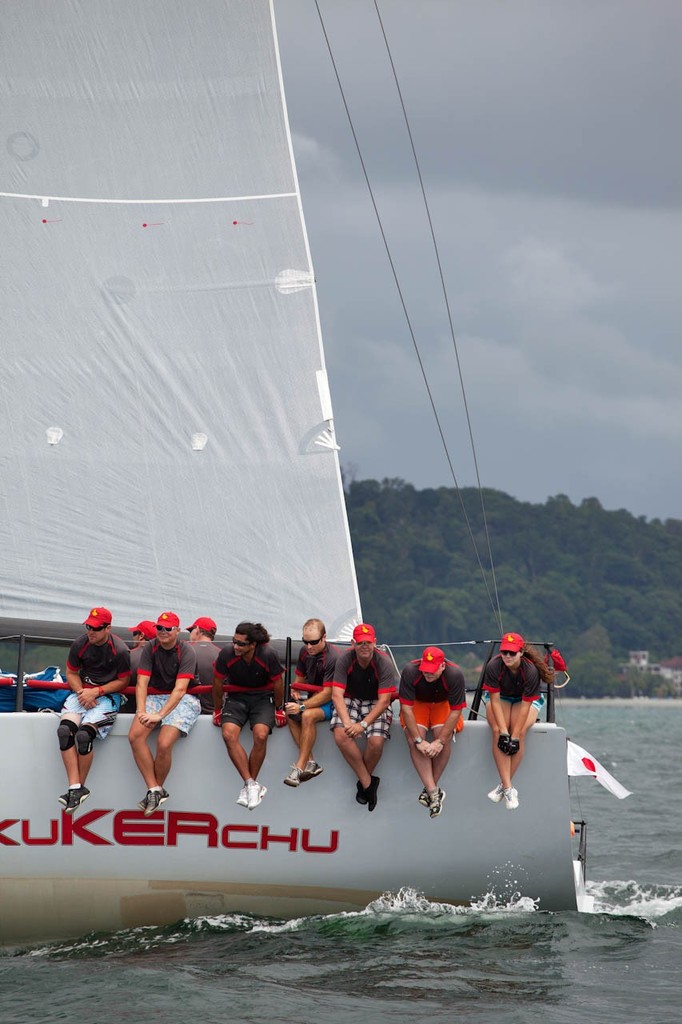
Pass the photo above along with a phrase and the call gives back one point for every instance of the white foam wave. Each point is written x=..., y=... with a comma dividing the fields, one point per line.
x=631, y=899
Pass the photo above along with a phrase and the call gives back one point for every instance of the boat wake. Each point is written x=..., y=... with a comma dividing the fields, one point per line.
x=657, y=904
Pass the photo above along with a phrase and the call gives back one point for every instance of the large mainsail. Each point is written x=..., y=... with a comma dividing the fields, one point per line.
x=166, y=433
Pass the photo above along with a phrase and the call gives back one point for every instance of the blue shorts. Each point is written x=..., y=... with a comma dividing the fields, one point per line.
x=101, y=717
x=538, y=703
x=182, y=717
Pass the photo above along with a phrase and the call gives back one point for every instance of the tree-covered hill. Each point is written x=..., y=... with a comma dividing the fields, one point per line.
x=595, y=582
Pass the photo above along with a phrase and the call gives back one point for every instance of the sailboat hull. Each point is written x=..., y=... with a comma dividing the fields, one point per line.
x=305, y=850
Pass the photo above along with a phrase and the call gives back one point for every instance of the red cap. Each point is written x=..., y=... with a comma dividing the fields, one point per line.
x=432, y=659
x=364, y=632
x=203, y=622
x=512, y=642
x=146, y=627
x=98, y=617
x=168, y=619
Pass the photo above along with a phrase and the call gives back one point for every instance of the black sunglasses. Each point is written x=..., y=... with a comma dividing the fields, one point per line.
x=241, y=643
x=165, y=629
x=95, y=629
x=311, y=643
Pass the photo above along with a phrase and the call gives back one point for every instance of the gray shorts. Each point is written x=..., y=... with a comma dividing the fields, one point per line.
x=359, y=709
x=254, y=708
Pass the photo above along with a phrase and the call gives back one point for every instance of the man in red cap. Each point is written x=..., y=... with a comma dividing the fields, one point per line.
x=201, y=635
x=432, y=695
x=168, y=666
x=97, y=669
x=363, y=687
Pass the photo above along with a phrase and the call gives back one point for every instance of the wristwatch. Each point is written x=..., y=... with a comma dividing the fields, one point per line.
x=301, y=708
x=419, y=739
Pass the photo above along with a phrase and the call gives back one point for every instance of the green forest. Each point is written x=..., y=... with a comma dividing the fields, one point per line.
x=595, y=583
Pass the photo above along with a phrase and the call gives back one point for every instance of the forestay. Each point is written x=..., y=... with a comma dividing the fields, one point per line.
x=167, y=436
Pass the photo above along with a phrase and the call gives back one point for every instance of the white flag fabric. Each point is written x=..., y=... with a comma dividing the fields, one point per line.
x=581, y=763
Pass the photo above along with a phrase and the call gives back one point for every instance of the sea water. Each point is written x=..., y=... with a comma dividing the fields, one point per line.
x=403, y=957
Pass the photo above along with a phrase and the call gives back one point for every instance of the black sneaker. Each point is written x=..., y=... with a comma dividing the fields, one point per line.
x=361, y=795
x=64, y=798
x=371, y=793
x=423, y=798
x=75, y=798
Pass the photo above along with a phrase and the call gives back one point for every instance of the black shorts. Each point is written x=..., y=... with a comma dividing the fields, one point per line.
x=254, y=708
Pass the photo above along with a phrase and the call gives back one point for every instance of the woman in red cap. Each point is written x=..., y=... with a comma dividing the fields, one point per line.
x=511, y=692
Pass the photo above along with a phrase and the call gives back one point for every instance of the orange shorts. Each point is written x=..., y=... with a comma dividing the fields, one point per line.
x=428, y=715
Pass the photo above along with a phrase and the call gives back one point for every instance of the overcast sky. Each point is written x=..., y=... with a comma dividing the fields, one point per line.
x=549, y=140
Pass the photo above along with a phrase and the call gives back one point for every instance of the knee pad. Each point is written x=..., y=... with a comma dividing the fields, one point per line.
x=84, y=739
x=66, y=732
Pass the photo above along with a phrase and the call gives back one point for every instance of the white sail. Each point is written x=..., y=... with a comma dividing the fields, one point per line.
x=166, y=436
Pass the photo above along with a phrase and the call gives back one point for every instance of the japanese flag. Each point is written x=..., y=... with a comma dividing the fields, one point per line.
x=582, y=763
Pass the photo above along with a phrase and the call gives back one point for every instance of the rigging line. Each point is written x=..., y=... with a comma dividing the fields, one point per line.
x=449, y=313
x=495, y=609
x=146, y=202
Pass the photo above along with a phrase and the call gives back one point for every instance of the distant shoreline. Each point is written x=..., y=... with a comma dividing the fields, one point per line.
x=619, y=702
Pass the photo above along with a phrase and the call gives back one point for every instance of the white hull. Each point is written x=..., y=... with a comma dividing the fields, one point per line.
x=313, y=849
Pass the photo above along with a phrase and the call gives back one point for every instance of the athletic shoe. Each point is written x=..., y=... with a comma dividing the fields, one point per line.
x=423, y=798
x=497, y=793
x=75, y=798
x=64, y=798
x=436, y=804
x=256, y=794
x=361, y=794
x=155, y=798
x=243, y=798
x=371, y=792
x=294, y=777
x=311, y=771
x=511, y=799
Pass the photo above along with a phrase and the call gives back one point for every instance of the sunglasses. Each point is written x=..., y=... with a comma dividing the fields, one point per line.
x=509, y=654
x=165, y=629
x=311, y=643
x=241, y=643
x=95, y=629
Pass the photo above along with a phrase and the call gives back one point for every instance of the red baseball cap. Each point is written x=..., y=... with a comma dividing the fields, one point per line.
x=203, y=622
x=512, y=642
x=364, y=632
x=98, y=617
x=432, y=659
x=146, y=627
x=168, y=619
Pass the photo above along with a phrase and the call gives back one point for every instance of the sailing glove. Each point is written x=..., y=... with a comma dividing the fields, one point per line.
x=503, y=742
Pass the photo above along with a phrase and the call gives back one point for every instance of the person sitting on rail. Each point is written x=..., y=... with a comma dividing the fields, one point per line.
x=511, y=692
x=432, y=695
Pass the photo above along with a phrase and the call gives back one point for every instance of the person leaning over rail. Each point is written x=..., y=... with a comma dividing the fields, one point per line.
x=97, y=669
x=311, y=701
x=168, y=664
x=363, y=688
x=511, y=692
x=432, y=695
x=247, y=687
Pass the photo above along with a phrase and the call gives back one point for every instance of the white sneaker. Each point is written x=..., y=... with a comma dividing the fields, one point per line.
x=243, y=798
x=511, y=799
x=256, y=794
x=496, y=794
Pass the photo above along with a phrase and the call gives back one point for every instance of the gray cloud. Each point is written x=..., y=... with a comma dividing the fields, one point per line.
x=548, y=140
